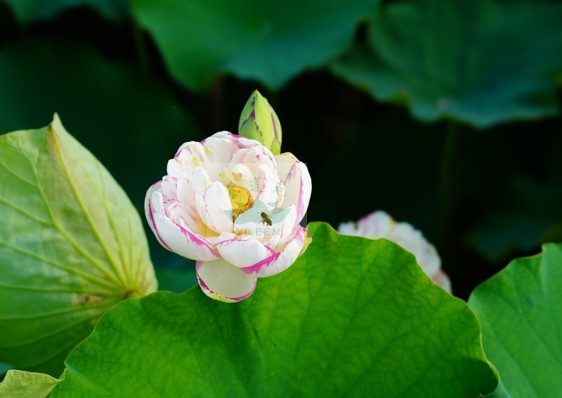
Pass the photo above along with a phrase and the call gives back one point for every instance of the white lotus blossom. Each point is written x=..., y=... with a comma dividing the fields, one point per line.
x=380, y=225
x=235, y=208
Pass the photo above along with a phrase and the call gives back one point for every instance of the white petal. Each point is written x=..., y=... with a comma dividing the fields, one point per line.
x=175, y=169
x=220, y=150
x=255, y=156
x=168, y=187
x=185, y=197
x=271, y=188
x=243, y=253
x=214, y=208
x=223, y=281
x=297, y=183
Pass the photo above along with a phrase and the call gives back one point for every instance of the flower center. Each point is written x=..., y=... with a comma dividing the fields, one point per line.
x=240, y=199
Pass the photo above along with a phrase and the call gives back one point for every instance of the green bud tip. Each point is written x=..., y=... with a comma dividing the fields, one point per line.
x=259, y=122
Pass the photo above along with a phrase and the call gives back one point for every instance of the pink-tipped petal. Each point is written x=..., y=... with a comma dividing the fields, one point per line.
x=179, y=239
x=149, y=212
x=224, y=282
x=296, y=181
x=279, y=261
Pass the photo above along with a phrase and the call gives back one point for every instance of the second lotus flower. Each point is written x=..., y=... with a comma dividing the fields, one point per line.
x=235, y=208
x=380, y=225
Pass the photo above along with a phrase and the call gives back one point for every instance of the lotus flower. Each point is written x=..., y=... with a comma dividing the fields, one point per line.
x=235, y=208
x=380, y=225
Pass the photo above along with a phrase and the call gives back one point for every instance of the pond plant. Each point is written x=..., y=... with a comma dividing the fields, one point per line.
x=234, y=291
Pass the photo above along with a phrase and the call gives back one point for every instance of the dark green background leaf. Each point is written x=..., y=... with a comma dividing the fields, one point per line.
x=74, y=247
x=34, y=10
x=531, y=214
x=479, y=61
x=125, y=116
x=265, y=40
x=520, y=310
x=353, y=317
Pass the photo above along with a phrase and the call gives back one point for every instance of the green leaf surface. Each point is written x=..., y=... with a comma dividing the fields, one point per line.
x=520, y=310
x=21, y=384
x=352, y=317
x=28, y=11
x=266, y=40
x=72, y=246
x=478, y=61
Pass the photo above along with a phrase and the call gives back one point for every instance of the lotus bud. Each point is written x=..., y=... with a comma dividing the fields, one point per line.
x=259, y=122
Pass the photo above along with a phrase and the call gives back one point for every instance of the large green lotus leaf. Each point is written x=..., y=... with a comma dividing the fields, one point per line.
x=72, y=245
x=21, y=384
x=478, y=61
x=33, y=10
x=520, y=310
x=267, y=40
x=352, y=317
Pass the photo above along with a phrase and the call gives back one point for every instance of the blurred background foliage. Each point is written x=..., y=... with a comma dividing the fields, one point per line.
x=444, y=114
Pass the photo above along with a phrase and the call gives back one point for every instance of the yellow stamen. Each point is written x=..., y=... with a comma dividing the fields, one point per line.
x=240, y=199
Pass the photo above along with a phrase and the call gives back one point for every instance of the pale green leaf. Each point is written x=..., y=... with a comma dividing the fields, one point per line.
x=71, y=247
x=21, y=384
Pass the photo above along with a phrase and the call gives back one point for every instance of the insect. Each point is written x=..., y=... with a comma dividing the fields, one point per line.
x=265, y=218
x=260, y=212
